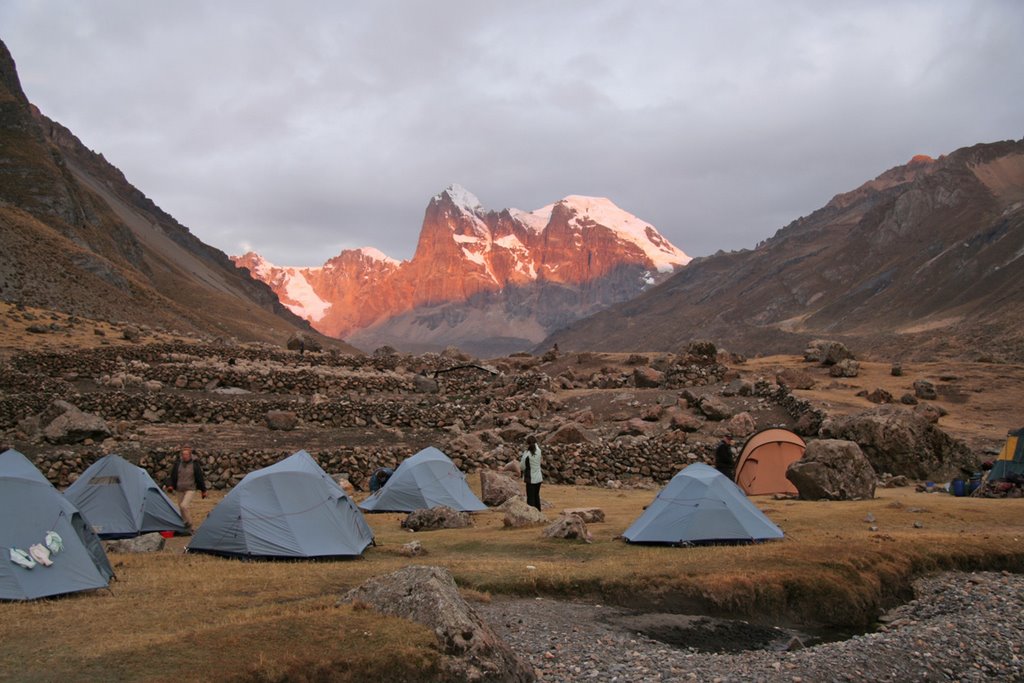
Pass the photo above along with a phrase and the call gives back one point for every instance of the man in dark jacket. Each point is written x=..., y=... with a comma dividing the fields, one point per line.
x=725, y=461
x=186, y=478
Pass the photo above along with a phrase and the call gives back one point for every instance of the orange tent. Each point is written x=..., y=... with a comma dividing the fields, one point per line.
x=766, y=455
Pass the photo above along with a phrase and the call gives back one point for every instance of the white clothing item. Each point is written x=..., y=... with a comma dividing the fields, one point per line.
x=54, y=542
x=40, y=554
x=21, y=558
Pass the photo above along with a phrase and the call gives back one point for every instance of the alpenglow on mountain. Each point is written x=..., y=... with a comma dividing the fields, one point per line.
x=489, y=282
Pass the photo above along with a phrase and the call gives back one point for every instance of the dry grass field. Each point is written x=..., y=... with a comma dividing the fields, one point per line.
x=175, y=616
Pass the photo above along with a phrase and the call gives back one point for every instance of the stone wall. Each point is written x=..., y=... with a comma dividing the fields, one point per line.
x=459, y=406
x=653, y=460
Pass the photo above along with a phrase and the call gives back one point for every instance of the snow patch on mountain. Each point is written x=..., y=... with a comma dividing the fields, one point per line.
x=292, y=285
x=534, y=220
x=307, y=303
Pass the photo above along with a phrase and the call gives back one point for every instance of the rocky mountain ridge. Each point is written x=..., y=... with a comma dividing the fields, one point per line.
x=491, y=282
x=924, y=260
x=77, y=237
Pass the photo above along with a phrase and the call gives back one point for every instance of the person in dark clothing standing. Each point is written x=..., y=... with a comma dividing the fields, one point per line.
x=186, y=478
x=529, y=463
x=725, y=459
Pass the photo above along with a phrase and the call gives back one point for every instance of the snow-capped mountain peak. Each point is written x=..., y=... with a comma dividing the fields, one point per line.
x=468, y=256
x=377, y=255
x=462, y=198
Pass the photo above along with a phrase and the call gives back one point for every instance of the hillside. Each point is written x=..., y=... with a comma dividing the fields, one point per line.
x=77, y=237
x=922, y=260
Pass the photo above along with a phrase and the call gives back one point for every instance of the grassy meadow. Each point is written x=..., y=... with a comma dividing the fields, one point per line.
x=174, y=616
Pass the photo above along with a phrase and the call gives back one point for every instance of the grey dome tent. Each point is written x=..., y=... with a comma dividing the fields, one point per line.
x=120, y=500
x=291, y=509
x=30, y=508
x=423, y=481
x=701, y=505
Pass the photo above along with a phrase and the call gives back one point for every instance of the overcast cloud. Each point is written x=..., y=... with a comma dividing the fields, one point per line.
x=302, y=128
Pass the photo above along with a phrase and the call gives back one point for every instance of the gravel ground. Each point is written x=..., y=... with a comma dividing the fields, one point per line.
x=961, y=627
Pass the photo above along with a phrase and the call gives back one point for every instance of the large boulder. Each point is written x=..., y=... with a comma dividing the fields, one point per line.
x=282, y=420
x=589, y=515
x=846, y=367
x=793, y=378
x=925, y=389
x=300, y=341
x=637, y=426
x=898, y=441
x=741, y=424
x=518, y=514
x=683, y=420
x=429, y=596
x=497, y=487
x=571, y=527
x=833, y=469
x=440, y=517
x=714, y=409
x=72, y=425
x=424, y=385
x=827, y=352
x=647, y=378
x=702, y=351
x=569, y=433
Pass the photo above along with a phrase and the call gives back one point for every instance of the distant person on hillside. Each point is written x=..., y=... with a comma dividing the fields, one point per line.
x=186, y=478
x=529, y=463
x=725, y=459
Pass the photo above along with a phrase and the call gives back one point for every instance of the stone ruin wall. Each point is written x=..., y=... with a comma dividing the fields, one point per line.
x=357, y=403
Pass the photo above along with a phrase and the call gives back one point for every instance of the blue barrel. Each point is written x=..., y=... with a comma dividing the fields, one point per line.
x=974, y=483
x=958, y=488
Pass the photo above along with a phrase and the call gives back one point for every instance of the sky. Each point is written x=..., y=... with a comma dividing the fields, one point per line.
x=298, y=129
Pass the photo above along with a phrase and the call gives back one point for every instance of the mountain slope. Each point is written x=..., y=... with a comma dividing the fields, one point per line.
x=489, y=282
x=924, y=259
x=77, y=237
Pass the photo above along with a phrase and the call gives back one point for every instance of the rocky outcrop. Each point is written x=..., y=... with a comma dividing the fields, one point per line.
x=440, y=517
x=429, y=596
x=898, y=441
x=832, y=469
